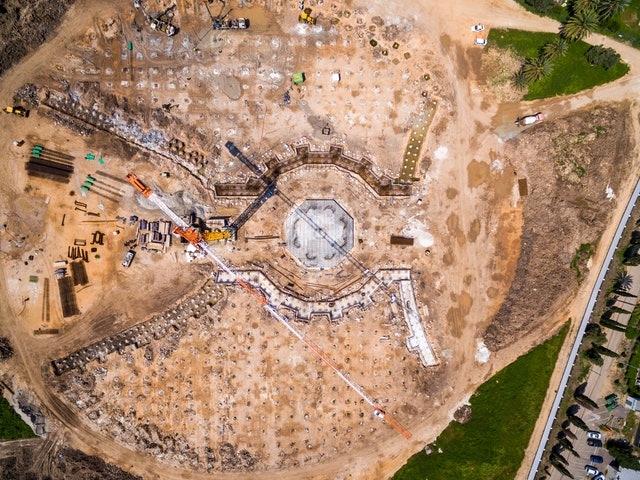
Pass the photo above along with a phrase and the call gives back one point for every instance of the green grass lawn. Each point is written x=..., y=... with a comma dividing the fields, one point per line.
x=11, y=425
x=571, y=73
x=624, y=27
x=505, y=409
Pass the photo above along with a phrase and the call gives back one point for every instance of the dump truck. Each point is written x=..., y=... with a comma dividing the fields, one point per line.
x=529, y=119
x=17, y=110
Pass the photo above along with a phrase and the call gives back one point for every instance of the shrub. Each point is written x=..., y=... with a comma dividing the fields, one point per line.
x=578, y=422
x=541, y=6
x=594, y=334
x=6, y=350
x=622, y=451
x=593, y=356
x=604, y=56
x=565, y=442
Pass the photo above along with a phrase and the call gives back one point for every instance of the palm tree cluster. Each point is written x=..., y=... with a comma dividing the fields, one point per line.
x=586, y=15
x=537, y=68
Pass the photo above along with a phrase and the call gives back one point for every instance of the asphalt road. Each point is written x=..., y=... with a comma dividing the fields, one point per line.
x=585, y=319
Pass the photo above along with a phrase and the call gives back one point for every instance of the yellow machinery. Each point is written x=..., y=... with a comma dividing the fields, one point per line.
x=23, y=112
x=305, y=17
x=210, y=236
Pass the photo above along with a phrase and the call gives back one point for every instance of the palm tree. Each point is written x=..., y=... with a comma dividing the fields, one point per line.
x=608, y=8
x=519, y=80
x=623, y=281
x=537, y=68
x=556, y=49
x=580, y=25
x=584, y=5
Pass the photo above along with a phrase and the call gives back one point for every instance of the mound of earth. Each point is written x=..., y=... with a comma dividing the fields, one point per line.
x=67, y=464
x=26, y=25
x=567, y=207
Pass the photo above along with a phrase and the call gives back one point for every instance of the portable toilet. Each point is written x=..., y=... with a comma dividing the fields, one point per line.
x=298, y=78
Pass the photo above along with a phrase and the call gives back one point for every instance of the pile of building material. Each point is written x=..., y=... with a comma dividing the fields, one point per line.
x=67, y=296
x=154, y=236
x=79, y=273
x=50, y=164
x=77, y=252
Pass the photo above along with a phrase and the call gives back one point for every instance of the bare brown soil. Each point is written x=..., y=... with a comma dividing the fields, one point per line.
x=64, y=463
x=24, y=26
x=235, y=394
x=567, y=206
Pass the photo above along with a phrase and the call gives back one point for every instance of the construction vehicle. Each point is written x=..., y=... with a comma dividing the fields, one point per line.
x=299, y=78
x=161, y=23
x=305, y=17
x=182, y=229
x=166, y=107
x=529, y=119
x=162, y=26
x=233, y=150
x=17, y=110
x=128, y=258
x=194, y=237
x=219, y=22
x=216, y=235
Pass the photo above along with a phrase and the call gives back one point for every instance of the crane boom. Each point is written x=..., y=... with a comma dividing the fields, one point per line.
x=182, y=228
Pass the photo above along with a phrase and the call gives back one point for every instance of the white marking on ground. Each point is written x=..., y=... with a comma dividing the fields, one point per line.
x=610, y=194
x=441, y=153
x=482, y=352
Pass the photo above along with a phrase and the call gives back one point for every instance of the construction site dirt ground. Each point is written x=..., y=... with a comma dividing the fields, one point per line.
x=234, y=393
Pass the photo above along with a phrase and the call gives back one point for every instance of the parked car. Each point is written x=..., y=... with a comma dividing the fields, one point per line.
x=596, y=459
x=591, y=470
x=599, y=476
x=481, y=42
x=477, y=28
x=594, y=434
x=592, y=442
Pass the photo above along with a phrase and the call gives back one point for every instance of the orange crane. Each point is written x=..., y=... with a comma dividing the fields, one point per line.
x=194, y=237
x=183, y=229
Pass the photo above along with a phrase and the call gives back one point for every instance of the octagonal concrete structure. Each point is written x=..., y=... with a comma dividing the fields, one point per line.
x=319, y=233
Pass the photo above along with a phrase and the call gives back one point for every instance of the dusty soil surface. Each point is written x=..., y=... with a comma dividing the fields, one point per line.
x=24, y=26
x=63, y=463
x=567, y=206
x=235, y=394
